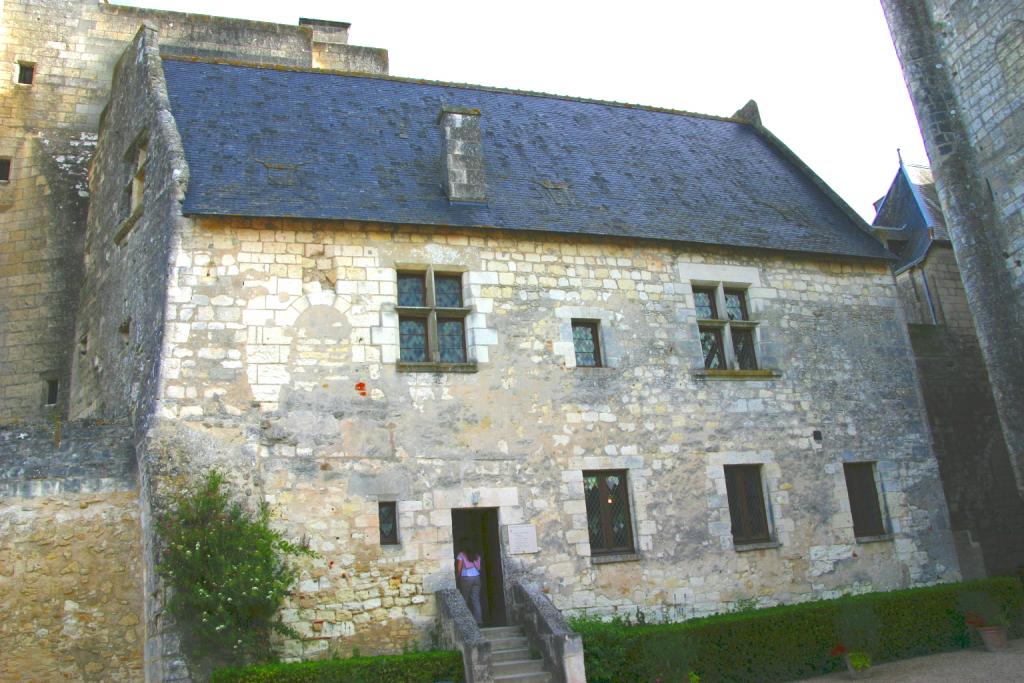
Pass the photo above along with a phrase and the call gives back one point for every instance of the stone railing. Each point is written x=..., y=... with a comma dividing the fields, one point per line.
x=559, y=645
x=460, y=632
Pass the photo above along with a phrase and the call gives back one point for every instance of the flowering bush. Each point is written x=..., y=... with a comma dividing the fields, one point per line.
x=228, y=572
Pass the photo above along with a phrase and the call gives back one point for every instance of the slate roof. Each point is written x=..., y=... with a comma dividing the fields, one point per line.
x=911, y=214
x=305, y=144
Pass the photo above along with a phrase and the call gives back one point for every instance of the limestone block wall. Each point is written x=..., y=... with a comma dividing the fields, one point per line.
x=71, y=588
x=48, y=130
x=279, y=366
x=70, y=554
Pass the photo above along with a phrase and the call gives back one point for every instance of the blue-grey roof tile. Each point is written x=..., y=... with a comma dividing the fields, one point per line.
x=305, y=144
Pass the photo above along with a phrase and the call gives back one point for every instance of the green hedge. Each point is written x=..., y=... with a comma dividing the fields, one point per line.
x=417, y=667
x=788, y=642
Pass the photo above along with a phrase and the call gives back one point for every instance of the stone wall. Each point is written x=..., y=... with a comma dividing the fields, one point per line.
x=49, y=129
x=281, y=368
x=976, y=473
x=964, y=67
x=70, y=554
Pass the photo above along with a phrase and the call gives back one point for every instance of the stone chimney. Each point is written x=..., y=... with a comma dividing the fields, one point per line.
x=464, y=155
x=333, y=32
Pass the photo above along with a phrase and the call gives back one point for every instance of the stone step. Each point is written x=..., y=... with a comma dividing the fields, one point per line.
x=543, y=677
x=508, y=643
x=510, y=655
x=502, y=632
x=519, y=666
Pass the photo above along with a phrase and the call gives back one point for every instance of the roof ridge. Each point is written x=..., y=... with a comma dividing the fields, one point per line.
x=451, y=84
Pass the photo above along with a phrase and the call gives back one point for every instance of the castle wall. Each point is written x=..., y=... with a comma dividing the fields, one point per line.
x=964, y=67
x=49, y=128
x=70, y=554
x=280, y=367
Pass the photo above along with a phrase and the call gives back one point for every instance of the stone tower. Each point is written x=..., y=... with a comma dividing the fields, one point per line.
x=963, y=61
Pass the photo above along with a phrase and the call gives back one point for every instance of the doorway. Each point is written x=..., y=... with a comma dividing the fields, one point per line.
x=479, y=526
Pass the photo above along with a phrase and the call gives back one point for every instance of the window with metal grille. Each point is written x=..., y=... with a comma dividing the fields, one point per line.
x=608, y=518
x=587, y=342
x=726, y=341
x=26, y=73
x=864, y=504
x=746, y=504
x=5, y=170
x=387, y=513
x=431, y=317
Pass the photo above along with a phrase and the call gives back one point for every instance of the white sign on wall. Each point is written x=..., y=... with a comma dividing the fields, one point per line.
x=522, y=539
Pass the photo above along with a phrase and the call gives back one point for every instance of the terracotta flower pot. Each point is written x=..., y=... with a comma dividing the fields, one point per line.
x=994, y=637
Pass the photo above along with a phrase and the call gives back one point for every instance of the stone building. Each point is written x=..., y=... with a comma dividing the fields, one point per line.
x=976, y=473
x=645, y=358
x=963, y=62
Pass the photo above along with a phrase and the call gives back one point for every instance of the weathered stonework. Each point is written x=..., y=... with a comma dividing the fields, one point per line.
x=964, y=68
x=49, y=130
x=250, y=311
x=70, y=554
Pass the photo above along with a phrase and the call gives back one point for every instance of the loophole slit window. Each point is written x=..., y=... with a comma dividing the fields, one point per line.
x=608, y=516
x=747, y=510
x=26, y=73
x=431, y=318
x=387, y=513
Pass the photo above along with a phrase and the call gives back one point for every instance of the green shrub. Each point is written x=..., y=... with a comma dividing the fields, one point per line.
x=417, y=667
x=228, y=572
x=793, y=641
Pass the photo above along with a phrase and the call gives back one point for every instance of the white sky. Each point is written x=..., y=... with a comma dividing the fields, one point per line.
x=824, y=72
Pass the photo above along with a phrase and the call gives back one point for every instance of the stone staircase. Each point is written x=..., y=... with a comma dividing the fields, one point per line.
x=511, y=658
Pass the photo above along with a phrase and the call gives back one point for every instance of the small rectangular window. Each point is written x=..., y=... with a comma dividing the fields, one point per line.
x=412, y=289
x=587, y=342
x=412, y=339
x=746, y=504
x=863, y=493
x=387, y=512
x=26, y=72
x=5, y=170
x=608, y=517
x=52, y=391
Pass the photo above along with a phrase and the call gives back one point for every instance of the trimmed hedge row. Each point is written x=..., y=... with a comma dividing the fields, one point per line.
x=416, y=667
x=789, y=642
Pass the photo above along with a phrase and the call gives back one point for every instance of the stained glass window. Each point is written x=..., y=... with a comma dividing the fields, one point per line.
x=425, y=336
x=585, y=339
x=387, y=514
x=704, y=303
x=412, y=339
x=448, y=291
x=412, y=290
x=451, y=338
x=711, y=345
x=743, y=346
x=735, y=305
x=608, y=518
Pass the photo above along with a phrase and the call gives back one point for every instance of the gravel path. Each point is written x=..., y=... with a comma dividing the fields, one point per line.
x=964, y=666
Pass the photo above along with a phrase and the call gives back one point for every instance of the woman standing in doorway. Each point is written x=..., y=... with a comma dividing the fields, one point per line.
x=467, y=569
